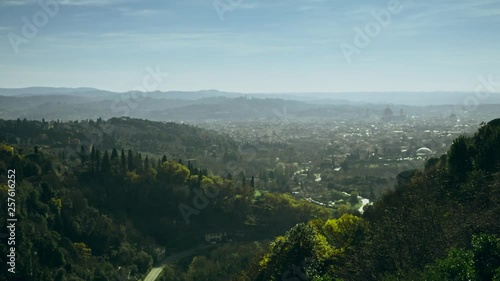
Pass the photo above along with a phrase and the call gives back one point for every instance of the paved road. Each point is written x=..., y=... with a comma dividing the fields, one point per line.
x=154, y=273
x=157, y=269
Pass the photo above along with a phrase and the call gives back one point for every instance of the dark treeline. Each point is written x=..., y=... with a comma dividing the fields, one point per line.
x=142, y=135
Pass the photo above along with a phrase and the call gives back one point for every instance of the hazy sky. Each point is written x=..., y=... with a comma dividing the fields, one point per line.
x=254, y=46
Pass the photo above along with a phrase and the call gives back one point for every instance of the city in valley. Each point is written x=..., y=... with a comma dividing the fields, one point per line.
x=237, y=140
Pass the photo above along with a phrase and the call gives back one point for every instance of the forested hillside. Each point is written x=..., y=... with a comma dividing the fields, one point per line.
x=104, y=211
x=108, y=210
x=439, y=224
x=143, y=135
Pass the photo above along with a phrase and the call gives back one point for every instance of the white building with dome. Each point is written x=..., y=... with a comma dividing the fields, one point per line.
x=424, y=152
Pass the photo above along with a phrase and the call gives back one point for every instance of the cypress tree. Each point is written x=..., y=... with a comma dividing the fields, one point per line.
x=146, y=164
x=92, y=159
x=123, y=161
x=98, y=160
x=83, y=154
x=130, y=161
x=114, y=154
x=106, y=163
x=139, y=163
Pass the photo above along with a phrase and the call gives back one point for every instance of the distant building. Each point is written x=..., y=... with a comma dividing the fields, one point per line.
x=424, y=152
x=388, y=115
x=216, y=237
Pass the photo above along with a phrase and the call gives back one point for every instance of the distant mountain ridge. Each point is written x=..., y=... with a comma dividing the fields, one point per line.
x=401, y=97
x=194, y=106
x=33, y=91
x=97, y=93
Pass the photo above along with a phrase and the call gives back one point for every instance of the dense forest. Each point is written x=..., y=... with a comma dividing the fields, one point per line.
x=90, y=213
x=105, y=200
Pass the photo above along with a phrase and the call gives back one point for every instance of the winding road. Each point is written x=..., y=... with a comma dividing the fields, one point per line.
x=158, y=268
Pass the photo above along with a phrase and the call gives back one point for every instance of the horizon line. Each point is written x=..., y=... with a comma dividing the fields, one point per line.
x=243, y=93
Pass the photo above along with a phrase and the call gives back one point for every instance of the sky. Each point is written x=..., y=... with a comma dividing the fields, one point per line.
x=250, y=46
